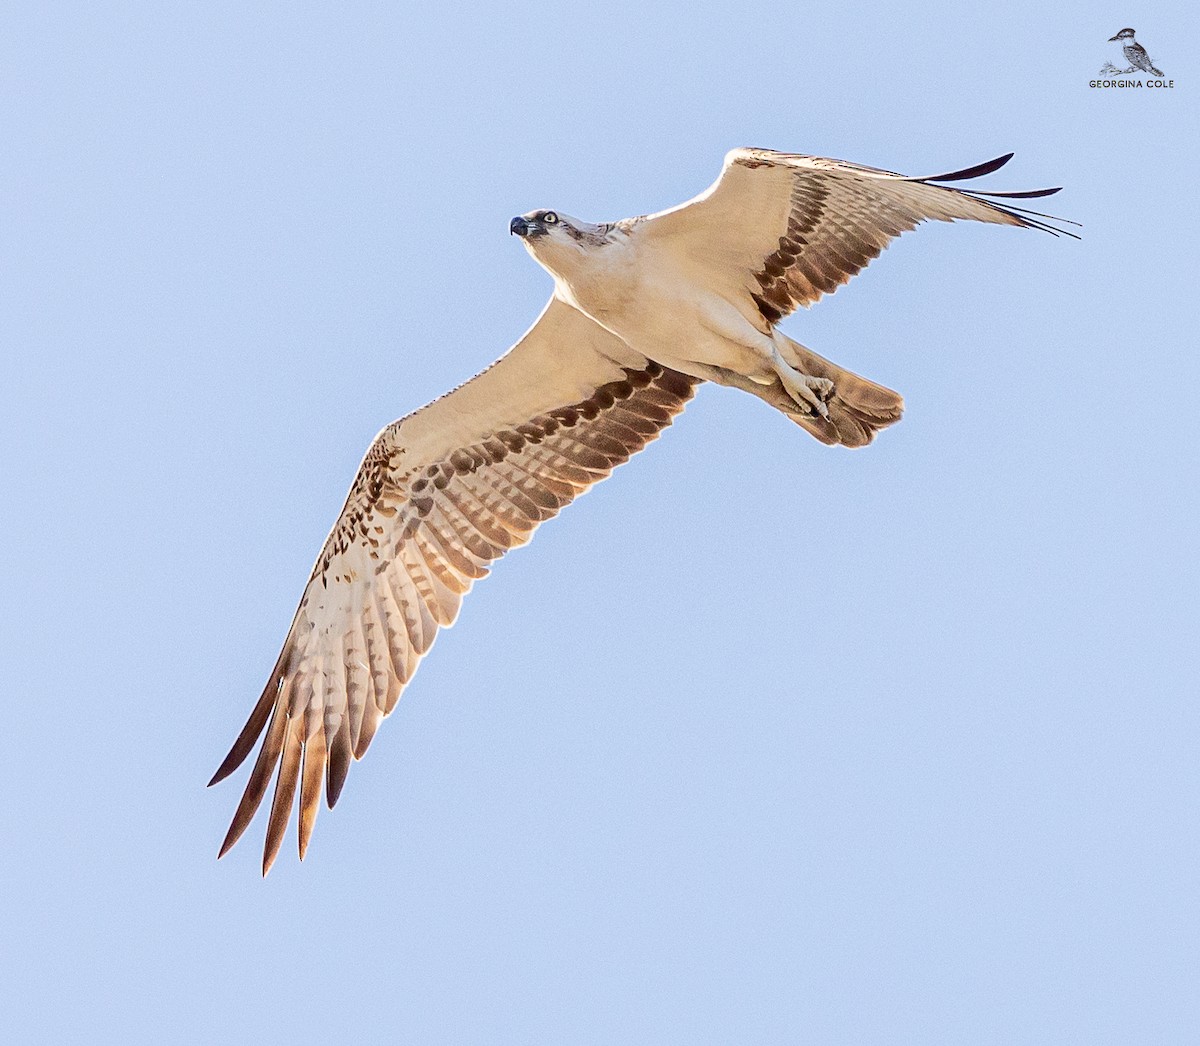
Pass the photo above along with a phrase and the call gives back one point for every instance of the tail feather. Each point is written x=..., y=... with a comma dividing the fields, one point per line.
x=858, y=407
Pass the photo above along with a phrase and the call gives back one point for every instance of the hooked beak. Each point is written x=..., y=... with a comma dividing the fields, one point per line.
x=526, y=228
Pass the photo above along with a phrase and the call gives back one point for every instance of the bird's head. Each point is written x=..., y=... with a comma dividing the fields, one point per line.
x=558, y=242
x=1124, y=34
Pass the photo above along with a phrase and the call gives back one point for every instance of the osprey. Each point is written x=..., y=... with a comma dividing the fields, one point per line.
x=643, y=311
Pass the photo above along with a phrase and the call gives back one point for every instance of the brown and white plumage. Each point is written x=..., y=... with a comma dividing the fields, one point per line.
x=785, y=229
x=643, y=311
x=440, y=494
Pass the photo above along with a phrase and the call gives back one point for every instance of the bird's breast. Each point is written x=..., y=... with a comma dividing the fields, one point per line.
x=605, y=290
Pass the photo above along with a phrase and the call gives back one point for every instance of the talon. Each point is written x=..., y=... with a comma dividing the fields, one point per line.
x=806, y=390
x=812, y=393
x=822, y=389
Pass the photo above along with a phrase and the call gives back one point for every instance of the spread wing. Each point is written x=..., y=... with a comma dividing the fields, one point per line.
x=778, y=230
x=439, y=496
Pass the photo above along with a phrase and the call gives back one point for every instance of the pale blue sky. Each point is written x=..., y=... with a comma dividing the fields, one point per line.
x=762, y=742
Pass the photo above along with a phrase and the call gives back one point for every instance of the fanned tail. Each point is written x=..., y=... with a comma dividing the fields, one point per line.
x=858, y=407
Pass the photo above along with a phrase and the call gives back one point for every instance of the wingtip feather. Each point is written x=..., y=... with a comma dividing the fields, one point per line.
x=285, y=792
x=258, y=719
x=340, y=754
x=260, y=778
x=311, y=775
x=1028, y=194
x=978, y=171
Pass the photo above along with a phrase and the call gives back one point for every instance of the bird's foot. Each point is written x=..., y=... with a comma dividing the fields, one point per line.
x=808, y=392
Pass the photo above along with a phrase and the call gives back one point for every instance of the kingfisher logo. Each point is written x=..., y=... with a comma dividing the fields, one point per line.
x=1134, y=62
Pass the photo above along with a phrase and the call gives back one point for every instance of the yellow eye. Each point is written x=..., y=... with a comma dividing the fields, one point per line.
x=550, y=218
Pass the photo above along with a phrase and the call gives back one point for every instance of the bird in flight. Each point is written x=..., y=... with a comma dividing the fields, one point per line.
x=643, y=311
x=1135, y=53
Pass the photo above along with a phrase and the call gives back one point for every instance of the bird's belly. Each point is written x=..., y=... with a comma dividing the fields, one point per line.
x=678, y=332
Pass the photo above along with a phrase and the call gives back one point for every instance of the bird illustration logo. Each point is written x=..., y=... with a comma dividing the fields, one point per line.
x=1135, y=55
